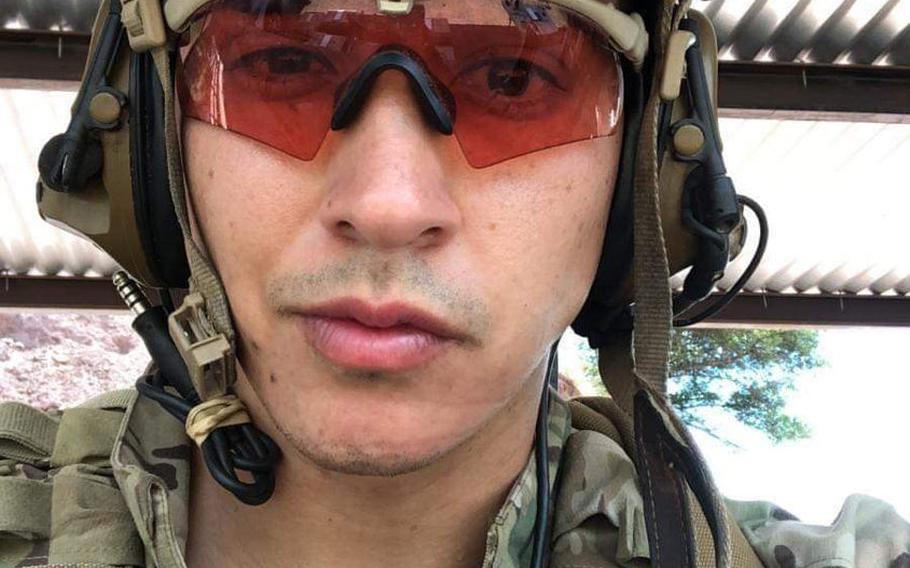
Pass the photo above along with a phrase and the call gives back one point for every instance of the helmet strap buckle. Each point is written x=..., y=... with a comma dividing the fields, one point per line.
x=144, y=24
x=204, y=350
x=675, y=64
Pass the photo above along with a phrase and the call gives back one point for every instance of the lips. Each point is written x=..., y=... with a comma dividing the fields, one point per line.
x=389, y=337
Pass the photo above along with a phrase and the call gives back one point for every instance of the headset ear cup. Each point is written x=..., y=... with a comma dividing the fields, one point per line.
x=682, y=244
x=613, y=288
x=156, y=220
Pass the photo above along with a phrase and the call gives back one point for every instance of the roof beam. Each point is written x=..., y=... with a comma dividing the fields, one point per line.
x=814, y=88
x=815, y=310
x=42, y=55
x=63, y=293
x=868, y=90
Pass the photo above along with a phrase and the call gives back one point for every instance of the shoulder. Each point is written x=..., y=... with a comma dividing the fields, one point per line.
x=866, y=533
x=51, y=439
x=60, y=493
x=600, y=513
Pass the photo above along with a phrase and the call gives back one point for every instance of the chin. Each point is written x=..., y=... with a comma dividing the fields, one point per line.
x=367, y=460
x=373, y=435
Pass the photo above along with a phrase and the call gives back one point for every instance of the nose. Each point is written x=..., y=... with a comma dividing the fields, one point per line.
x=388, y=176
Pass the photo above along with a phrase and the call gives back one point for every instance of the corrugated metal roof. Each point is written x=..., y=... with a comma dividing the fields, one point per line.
x=29, y=246
x=835, y=192
x=837, y=200
x=814, y=31
x=827, y=31
x=67, y=15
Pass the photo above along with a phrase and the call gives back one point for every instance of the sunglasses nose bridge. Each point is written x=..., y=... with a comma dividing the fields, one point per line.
x=434, y=100
x=399, y=195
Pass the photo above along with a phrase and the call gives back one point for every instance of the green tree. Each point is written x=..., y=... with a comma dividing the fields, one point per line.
x=744, y=372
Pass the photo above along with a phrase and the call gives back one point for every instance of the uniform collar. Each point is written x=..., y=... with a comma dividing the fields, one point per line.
x=151, y=463
x=510, y=536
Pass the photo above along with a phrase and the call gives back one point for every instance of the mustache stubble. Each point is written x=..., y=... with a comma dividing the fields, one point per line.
x=406, y=277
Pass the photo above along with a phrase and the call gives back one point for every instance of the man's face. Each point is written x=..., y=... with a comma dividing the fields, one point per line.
x=390, y=300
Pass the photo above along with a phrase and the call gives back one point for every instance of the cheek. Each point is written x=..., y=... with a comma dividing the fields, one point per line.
x=546, y=230
x=249, y=207
x=223, y=194
x=581, y=207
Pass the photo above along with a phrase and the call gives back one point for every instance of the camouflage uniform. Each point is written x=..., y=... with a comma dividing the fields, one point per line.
x=599, y=517
x=107, y=485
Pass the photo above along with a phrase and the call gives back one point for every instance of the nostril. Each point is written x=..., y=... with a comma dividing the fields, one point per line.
x=431, y=236
x=346, y=229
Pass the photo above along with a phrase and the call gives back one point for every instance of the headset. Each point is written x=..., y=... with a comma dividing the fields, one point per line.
x=106, y=177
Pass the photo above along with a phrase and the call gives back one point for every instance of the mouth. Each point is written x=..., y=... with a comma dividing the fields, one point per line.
x=389, y=337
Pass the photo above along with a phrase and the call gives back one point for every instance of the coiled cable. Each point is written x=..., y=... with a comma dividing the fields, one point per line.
x=721, y=302
x=229, y=452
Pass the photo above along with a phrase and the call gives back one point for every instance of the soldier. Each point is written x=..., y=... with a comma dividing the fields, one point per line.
x=386, y=212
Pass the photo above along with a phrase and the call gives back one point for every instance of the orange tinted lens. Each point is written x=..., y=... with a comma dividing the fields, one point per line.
x=515, y=97
x=517, y=88
x=260, y=83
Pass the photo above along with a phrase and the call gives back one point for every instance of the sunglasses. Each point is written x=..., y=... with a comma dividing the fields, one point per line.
x=505, y=78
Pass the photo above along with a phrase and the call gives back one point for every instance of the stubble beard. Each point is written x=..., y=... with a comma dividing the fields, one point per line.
x=352, y=460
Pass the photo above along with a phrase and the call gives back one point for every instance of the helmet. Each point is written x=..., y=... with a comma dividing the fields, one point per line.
x=116, y=177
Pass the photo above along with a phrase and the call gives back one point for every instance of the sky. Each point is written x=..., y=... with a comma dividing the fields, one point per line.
x=858, y=407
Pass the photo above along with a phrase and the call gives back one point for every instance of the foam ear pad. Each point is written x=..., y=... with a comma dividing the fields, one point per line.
x=156, y=220
x=605, y=300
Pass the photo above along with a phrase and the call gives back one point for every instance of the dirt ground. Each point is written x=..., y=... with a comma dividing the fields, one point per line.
x=53, y=361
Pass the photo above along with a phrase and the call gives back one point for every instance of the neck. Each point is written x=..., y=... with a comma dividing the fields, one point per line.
x=437, y=516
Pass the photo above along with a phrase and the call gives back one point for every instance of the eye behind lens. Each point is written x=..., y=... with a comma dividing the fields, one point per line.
x=511, y=78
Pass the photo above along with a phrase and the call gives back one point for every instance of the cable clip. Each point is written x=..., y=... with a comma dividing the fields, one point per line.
x=144, y=24
x=201, y=347
x=675, y=64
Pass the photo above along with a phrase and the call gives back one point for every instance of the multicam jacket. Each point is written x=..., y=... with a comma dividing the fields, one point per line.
x=106, y=484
